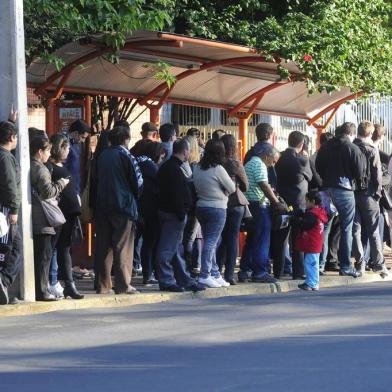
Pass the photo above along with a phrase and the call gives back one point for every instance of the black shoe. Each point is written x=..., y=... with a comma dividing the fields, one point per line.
x=14, y=301
x=231, y=281
x=353, y=273
x=70, y=290
x=304, y=286
x=322, y=273
x=331, y=267
x=195, y=287
x=299, y=277
x=243, y=277
x=3, y=293
x=173, y=289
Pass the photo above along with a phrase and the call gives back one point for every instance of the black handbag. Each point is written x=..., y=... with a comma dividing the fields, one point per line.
x=77, y=236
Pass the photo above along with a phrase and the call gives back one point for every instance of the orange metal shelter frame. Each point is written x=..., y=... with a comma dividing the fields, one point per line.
x=154, y=103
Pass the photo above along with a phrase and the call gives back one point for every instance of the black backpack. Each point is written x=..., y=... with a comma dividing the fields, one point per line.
x=365, y=180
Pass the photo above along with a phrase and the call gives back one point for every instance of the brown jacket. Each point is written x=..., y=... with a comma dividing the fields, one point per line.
x=236, y=171
x=41, y=182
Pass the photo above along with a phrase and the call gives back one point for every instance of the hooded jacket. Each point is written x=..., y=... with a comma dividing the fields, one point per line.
x=310, y=237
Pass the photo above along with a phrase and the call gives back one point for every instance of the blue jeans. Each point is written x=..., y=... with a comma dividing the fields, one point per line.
x=311, y=264
x=344, y=201
x=228, y=249
x=53, y=271
x=212, y=221
x=256, y=250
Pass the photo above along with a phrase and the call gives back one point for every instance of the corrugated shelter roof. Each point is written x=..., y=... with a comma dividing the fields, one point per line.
x=209, y=73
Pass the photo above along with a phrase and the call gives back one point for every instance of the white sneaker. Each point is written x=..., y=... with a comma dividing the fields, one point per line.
x=57, y=290
x=222, y=282
x=209, y=282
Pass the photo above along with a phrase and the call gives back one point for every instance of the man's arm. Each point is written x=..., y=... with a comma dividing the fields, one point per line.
x=269, y=193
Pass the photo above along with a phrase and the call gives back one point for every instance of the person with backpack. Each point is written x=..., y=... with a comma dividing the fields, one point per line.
x=340, y=164
x=367, y=209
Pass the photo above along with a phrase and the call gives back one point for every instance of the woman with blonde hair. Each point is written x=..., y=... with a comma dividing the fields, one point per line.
x=192, y=233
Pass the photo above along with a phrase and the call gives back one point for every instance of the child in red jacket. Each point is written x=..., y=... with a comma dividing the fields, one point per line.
x=310, y=239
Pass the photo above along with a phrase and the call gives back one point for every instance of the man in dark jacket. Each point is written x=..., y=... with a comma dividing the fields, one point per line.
x=367, y=211
x=174, y=204
x=10, y=198
x=293, y=175
x=78, y=133
x=340, y=164
x=119, y=187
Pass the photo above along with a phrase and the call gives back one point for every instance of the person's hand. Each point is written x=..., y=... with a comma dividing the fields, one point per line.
x=281, y=208
x=13, y=115
x=13, y=219
x=65, y=181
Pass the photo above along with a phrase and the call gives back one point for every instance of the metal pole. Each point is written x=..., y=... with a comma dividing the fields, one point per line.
x=13, y=92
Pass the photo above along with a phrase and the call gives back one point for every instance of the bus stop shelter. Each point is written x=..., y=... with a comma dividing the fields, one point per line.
x=208, y=73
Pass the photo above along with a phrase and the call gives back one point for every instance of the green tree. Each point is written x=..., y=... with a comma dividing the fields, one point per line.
x=335, y=42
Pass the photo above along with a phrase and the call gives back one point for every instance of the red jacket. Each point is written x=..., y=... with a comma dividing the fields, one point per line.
x=310, y=238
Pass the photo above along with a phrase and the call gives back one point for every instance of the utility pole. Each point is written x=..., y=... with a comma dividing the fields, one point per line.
x=13, y=92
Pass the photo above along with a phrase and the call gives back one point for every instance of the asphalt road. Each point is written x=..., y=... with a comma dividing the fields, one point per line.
x=332, y=340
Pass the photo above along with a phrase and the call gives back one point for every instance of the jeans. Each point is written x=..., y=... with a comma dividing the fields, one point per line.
x=344, y=202
x=170, y=263
x=54, y=268
x=192, y=243
x=228, y=249
x=212, y=222
x=367, y=216
x=256, y=250
x=311, y=264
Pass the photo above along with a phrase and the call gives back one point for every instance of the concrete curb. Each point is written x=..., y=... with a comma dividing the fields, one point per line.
x=93, y=301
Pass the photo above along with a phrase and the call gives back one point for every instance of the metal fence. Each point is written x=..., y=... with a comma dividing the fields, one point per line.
x=375, y=109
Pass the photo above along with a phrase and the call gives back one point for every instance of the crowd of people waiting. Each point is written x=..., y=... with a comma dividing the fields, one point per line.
x=181, y=204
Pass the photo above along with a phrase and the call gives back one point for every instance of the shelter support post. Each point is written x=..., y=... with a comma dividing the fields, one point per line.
x=88, y=119
x=154, y=115
x=243, y=136
x=50, y=116
x=13, y=92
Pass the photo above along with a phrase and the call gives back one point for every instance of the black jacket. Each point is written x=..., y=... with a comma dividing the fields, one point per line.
x=10, y=195
x=340, y=163
x=150, y=196
x=293, y=175
x=119, y=183
x=371, y=183
x=69, y=202
x=174, y=194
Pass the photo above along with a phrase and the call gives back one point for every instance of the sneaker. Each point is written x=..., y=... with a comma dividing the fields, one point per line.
x=3, y=293
x=222, y=282
x=210, y=282
x=56, y=290
x=265, y=278
x=244, y=276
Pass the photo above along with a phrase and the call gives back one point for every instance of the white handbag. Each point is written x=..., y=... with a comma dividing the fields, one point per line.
x=4, y=226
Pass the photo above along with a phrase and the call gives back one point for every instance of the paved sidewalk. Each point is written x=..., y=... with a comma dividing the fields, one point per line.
x=149, y=295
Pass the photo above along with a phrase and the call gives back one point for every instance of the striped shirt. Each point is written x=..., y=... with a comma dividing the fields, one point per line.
x=256, y=171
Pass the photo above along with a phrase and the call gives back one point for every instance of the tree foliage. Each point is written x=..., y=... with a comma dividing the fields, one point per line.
x=336, y=42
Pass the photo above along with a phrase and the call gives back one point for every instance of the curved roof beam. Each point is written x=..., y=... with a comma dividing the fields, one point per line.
x=152, y=95
x=256, y=98
x=334, y=105
x=99, y=52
